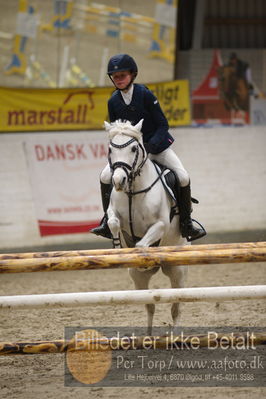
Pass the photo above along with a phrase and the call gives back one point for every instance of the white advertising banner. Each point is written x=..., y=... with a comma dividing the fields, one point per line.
x=258, y=111
x=64, y=176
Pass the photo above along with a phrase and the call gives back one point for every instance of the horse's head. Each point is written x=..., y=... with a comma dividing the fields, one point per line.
x=226, y=78
x=233, y=89
x=127, y=154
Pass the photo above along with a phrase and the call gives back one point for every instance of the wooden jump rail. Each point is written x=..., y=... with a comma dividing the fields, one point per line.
x=133, y=257
x=127, y=343
x=90, y=252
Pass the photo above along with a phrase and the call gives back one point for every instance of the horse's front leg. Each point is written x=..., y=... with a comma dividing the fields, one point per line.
x=114, y=226
x=177, y=276
x=153, y=234
x=142, y=277
x=141, y=280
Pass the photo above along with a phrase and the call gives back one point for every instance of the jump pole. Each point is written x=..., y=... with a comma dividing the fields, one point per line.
x=122, y=251
x=132, y=297
x=138, y=259
x=127, y=343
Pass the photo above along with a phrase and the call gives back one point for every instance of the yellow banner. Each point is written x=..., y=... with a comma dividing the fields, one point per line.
x=174, y=98
x=80, y=109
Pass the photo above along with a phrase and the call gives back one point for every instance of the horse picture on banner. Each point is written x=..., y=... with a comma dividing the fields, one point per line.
x=233, y=89
x=223, y=96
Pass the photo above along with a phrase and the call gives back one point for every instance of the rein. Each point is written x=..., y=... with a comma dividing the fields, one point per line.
x=131, y=194
x=131, y=175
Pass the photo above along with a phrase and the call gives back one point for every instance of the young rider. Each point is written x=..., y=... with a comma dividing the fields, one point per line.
x=134, y=102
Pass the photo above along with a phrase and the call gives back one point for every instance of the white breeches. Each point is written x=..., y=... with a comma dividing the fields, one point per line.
x=167, y=158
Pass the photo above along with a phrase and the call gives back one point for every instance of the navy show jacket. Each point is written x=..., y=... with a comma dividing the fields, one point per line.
x=144, y=105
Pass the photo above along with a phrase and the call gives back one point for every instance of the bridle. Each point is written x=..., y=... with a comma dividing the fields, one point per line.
x=131, y=172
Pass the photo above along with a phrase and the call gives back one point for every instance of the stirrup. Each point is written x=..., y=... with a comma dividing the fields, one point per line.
x=103, y=229
x=200, y=233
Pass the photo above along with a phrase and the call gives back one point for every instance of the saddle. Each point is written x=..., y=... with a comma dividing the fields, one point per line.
x=172, y=186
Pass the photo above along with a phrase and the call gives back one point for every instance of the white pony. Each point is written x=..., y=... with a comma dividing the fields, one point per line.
x=139, y=210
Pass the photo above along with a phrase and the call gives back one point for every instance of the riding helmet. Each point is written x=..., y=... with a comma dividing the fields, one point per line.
x=122, y=62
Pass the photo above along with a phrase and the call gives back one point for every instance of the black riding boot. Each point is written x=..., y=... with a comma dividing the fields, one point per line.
x=103, y=230
x=188, y=230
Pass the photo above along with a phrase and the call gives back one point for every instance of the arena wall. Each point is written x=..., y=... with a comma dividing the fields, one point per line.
x=226, y=165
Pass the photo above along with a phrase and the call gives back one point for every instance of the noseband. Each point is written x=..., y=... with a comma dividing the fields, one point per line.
x=130, y=170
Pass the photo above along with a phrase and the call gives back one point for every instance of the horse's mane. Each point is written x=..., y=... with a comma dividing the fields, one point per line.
x=124, y=128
